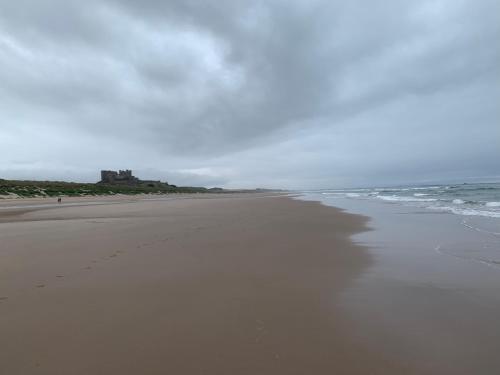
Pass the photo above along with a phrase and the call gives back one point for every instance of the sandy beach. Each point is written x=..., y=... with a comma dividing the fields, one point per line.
x=249, y=188
x=233, y=284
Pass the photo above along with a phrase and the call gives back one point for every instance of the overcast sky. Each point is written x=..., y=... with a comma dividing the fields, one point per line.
x=293, y=94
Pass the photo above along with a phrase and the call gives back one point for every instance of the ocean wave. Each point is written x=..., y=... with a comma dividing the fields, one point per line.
x=355, y=195
x=466, y=200
x=350, y=195
x=492, y=204
x=396, y=198
x=466, y=211
x=393, y=190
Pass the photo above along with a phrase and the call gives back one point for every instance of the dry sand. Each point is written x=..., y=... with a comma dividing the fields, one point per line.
x=237, y=284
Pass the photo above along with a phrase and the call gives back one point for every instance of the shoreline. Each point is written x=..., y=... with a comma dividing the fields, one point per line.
x=5, y=201
x=431, y=293
x=15, y=206
x=191, y=286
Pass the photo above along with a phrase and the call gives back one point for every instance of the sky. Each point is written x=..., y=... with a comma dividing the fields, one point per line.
x=277, y=94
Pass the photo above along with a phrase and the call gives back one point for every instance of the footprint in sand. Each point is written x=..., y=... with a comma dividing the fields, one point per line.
x=112, y=255
x=59, y=276
x=88, y=268
x=4, y=298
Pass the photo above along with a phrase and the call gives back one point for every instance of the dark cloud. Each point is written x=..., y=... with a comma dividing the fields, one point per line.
x=270, y=93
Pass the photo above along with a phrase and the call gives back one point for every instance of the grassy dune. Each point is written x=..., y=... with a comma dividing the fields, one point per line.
x=28, y=189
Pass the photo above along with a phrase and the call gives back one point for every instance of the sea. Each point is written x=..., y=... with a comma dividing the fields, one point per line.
x=466, y=216
x=434, y=270
x=463, y=199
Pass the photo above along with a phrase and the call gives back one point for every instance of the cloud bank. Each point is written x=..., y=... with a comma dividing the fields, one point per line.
x=297, y=94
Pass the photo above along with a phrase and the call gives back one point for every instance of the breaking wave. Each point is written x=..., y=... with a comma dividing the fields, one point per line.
x=465, y=199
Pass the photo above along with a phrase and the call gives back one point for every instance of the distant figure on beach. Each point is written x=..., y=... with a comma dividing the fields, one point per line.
x=59, y=200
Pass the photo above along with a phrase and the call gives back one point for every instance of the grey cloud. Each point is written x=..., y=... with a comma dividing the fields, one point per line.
x=212, y=85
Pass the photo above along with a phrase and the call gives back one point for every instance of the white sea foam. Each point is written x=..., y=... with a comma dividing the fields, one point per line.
x=468, y=200
x=493, y=204
x=349, y=195
x=466, y=211
x=395, y=198
x=425, y=187
x=353, y=195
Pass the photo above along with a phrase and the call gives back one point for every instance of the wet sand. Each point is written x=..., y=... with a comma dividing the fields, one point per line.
x=239, y=284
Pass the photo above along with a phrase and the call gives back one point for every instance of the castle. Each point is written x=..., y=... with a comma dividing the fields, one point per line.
x=120, y=177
